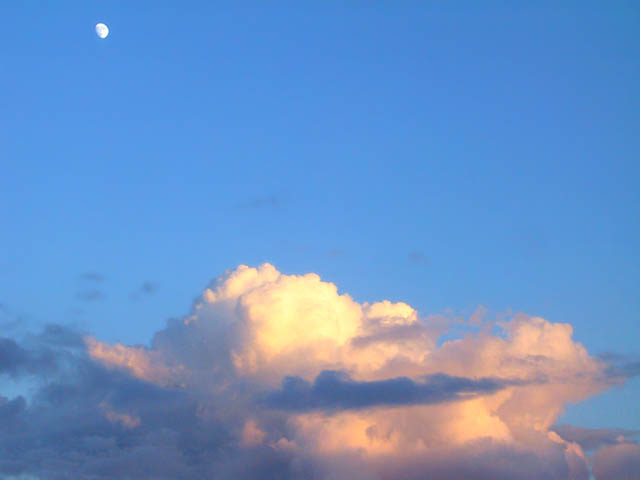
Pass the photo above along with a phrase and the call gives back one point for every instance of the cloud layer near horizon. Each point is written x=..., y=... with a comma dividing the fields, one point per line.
x=281, y=376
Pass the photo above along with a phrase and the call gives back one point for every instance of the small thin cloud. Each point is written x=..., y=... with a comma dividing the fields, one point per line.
x=92, y=277
x=10, y=320
x=417, y=258
x=502, y=316
x=479, y=315
x=621, y=366
x=11, y=324
x=91, y=295
x=77, y=311
x=594, y=438
x=61, y=335
x=146, y=289
x=268, y=201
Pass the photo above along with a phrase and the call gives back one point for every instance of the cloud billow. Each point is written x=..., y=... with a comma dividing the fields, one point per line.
x=281, y=376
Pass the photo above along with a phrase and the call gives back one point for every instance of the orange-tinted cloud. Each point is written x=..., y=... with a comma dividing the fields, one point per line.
x=254, y=327
x=142, y=363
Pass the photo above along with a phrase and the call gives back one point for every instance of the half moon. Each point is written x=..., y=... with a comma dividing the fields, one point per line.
x=102, y=30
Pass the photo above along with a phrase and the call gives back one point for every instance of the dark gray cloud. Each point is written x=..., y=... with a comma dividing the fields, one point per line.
x=16, y=360
x=147, y=288
x=61, y=336
x=595, y=438
x=9, y=409
x=333, y=390
x=12, y=356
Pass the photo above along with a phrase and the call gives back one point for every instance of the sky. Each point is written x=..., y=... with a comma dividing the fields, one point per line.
x=379, y=185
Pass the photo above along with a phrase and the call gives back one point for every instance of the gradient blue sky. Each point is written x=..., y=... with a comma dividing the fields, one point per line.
x=438, y=153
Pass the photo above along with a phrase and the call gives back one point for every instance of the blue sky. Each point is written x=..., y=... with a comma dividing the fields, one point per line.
x=442, y=155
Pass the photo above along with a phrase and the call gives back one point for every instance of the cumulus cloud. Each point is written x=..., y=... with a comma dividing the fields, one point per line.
x=283, y=376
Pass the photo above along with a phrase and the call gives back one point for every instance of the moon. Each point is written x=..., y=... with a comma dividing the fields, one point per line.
x=102, y=30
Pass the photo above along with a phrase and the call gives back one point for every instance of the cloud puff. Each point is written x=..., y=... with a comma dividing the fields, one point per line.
x=282, y=376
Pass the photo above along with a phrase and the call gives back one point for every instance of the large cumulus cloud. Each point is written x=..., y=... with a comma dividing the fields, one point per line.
x=281, y=376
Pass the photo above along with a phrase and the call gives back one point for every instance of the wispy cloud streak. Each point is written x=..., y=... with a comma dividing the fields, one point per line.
x=336, y=391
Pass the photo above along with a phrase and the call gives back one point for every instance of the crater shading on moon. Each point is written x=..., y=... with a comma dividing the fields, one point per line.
x=102, y=30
